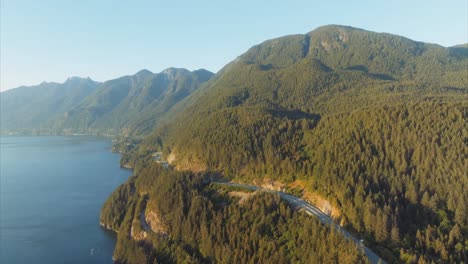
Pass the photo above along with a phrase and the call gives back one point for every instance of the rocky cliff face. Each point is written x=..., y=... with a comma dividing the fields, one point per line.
x=155, y=223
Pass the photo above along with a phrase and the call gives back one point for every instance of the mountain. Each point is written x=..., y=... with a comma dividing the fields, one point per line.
x=132, y=101
x=371, y=124
x=26, y=108
x=84, y=106
x=331, y=70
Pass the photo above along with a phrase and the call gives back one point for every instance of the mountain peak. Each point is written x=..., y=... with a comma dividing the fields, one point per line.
x=75, y=80
x=143, y=72
x=334, y=27
x=172, y=72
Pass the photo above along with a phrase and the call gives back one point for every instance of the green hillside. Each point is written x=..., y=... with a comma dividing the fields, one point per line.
x=28, y=108
x=127, y=104
x=190, y=220
x=373, y=122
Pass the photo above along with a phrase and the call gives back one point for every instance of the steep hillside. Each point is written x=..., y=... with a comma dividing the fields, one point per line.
x=331, y=70
x=373, y=122
x=28, y=108
x=130, y=103
x=165, y=216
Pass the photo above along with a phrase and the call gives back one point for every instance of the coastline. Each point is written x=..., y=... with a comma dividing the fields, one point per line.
x=57, y=173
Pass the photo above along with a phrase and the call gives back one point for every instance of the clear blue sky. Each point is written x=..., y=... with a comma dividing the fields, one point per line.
x=50, y=40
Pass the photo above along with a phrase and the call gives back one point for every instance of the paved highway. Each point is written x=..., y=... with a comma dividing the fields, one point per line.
x=314, y=211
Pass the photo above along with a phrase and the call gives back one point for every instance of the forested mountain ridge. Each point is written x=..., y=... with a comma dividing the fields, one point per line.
x=374, y=122
x=133, y=102
x=331, y=70
x=29, y=107
x=127, y=104
x=345, y=48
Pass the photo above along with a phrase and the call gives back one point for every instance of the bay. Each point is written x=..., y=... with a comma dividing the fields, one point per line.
x=51, y=192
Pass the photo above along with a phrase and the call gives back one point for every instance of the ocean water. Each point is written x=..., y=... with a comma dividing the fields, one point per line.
x=51, y=192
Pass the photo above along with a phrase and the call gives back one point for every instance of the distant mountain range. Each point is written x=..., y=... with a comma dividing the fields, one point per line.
x=82, y=106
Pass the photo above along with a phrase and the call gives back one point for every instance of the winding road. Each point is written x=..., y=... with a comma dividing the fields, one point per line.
x=314, y=211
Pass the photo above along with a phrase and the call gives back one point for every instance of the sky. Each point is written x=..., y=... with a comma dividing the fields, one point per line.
x=51, y=40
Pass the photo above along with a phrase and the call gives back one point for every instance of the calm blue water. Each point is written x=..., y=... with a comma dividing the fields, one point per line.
x=51, y=191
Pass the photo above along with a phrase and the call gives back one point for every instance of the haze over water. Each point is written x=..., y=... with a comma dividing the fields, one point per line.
x=51, y=192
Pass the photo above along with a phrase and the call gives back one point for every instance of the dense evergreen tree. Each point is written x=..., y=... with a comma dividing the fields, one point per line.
x=375, y=123
x=207, y=225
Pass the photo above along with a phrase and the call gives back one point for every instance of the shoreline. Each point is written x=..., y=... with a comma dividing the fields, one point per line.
x=77, y=161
